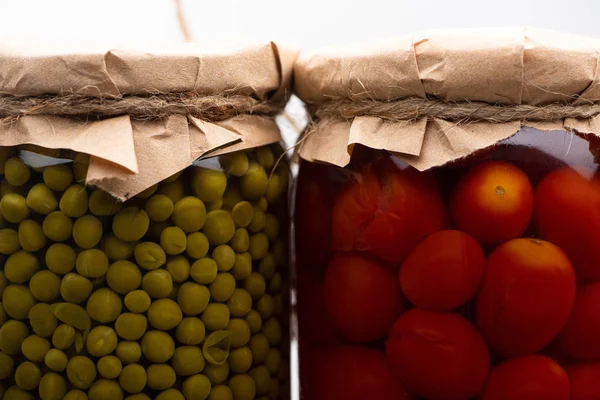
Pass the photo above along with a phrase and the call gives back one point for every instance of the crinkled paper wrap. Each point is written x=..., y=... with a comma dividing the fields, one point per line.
x=497, y=66
x=128, y=155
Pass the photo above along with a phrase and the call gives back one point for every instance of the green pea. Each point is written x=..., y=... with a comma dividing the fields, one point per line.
x=75, y=394
x=75, y=288
x=188, y=360
x=56, y=360
x=45, y=286
x=276, y=186
x=123, y=276
x=20, y=267
x=220, y=392
x=174, y=190
x=216, y=347
x=41, y=319
x=101, y=341
x=258, y=222
x=58, y=177
x=273, y=361
x=240, y=332
x=34, y=348
x=261, y=204
x=9, y=241
x=265, y=306
x=17, y=301
x=159, y=207
x=164, y=314
x=16, y=393
x=137, y=301
x=272, y=330
x=215, y=316
x=92, y=263
x=224, y=256
x=275, y=283
x=31, y=236
x=129, y=352
x=235, y=163
x=240, y=360
x=240, y=242
x=149, y=255
x=219, y=227
x=214, y=205
x=254, y=320
x=109, y=367
x=179, y=268
x=74, y=201
x=255, y=284
x=242, y=267
x=28, y=375
x=57, y=226
x=193, y=298
x=41, y=199
x=190, y=331
x=173, y=240
x=170, y=394
x=208, y=184
x=14, y=208
x=240, y=303
x=258, y=246
x=104, y=306
x=271, y=228
x=157, y=346
x=189, y=214
x=12, y=334
x=253, y=184
x=262, y=379
x=158, y=283
x=243, y=387
x=160, y=376
x=16, y=172
x=117, y=249
x=103, y=204
x=104, y=389
x=204, y=271
x=197, y=245
x=242, y=214
x=267, y=266
x=260, y=347
x=196, y=387
x=133, y=378
x=217, y=374
x=232, y=196
x=63, y=337
x=130, y=224
x=87, y=231
x=222, y=287
x=131, y=326
x=6, y=188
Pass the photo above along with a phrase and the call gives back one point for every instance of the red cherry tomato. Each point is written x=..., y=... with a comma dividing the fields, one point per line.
x=438, y=356
x=351, y=373
x=585, y=379
x=567, y=213
x=527, y=295
x=527, y=378
x=443, y=272
x=386, y=211
x=362, y=297
x=493, y=202
x=580, y=338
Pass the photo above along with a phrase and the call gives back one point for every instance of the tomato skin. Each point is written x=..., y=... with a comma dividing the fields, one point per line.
x=567, y=213
x=527, y=378
x=443, y=272
x=362, y=297
x=584, y=379
x=438, y=356
x=580, y=339
x=526, y=297
x=352, y=373
x=386, y=211
x=493, y=202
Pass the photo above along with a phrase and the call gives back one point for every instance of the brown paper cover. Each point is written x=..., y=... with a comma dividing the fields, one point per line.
x=509, y=66
x=127, y=155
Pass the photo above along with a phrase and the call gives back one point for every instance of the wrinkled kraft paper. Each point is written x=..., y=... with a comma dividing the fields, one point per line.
x=498, y=66
x=128, y=155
